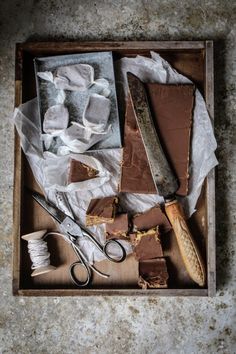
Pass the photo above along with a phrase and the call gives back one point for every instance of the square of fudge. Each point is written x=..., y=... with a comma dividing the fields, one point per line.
x=119, y=228
x=151, y=218
x=146, y=244
x=79, y=172
x=101, y=210
x=153, y=273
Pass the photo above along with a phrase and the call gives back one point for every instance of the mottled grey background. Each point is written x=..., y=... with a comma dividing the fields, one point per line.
x=111, y=324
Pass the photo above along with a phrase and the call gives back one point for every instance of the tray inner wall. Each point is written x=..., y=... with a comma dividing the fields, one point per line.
x=123, y=276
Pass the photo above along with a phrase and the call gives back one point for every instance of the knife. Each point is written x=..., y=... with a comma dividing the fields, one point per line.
x=165, y=181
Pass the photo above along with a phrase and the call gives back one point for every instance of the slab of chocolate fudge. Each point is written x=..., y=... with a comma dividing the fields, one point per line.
x=80, y=172
x=153, y=273
x=101, y=211
x=172, y=108
x=151, y=218
x=146, y=244
x=119, y=228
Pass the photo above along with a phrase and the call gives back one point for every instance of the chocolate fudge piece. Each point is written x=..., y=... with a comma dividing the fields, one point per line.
x=119, y=228
x=153, y=273
x=135, y=174
x=101, y=211
x=172, y=108
x=151, y=218
x=80, y=172
x=146, y=244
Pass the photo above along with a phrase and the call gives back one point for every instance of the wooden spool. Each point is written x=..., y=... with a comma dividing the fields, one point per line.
x=37, y=235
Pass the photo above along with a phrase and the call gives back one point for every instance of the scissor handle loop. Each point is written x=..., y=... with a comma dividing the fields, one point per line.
x=75, y=278
x=112, y=258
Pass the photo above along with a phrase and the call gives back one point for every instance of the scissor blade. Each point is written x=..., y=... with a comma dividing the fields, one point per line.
x=56, y=213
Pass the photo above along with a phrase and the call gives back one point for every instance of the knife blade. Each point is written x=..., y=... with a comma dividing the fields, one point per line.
x=165, y=180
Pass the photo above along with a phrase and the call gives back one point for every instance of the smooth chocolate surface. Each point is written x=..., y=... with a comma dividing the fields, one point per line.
x=172, y=108
x=136, y=175
x=119, y=228
x=146, y=244
x=151, y=218
x=153, y=274
x=80, y=172
x=101, y=211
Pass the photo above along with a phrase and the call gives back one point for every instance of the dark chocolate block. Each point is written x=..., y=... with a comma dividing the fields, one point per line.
x=119, y=228
x=172, y=107
x=80, y=172
x=153, y=274
x=101, y=211
x=151, y=218
x=146, y=244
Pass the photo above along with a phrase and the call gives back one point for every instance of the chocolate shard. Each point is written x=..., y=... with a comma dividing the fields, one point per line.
x=101, y=211
x=135, y=175
x=80, y=172
x=153, y=274
x=151, y=218
x=172, y=108
x=119, y=228
x=146, y=244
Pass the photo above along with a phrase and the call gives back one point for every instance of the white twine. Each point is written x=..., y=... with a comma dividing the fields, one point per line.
x=38, y=250
x=39, y=255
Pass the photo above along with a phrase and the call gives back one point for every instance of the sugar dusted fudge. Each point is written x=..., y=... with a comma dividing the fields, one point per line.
x=146, y=244
x=80, y=172
x=153, y=273
x=119, y=228
x=101, y=211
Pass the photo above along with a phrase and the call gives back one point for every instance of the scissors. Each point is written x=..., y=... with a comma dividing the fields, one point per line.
x=71, y=231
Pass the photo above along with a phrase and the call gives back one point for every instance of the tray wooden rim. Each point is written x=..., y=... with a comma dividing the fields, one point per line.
x=210, y=182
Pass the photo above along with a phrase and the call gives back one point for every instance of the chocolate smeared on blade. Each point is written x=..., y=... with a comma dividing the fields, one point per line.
x=136, y=176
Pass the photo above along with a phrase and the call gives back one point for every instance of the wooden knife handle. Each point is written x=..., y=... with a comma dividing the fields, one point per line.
x=188, y=249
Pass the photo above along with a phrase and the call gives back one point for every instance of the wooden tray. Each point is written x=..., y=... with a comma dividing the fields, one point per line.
x=193, y=59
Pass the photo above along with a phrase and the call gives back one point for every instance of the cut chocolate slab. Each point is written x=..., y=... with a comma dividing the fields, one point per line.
x=136, y=175
x=146, y=244
x=101, y=211
x=151, y=218
x=153, y=274
x=172, y=108
x=80, y=172
x=119, y=228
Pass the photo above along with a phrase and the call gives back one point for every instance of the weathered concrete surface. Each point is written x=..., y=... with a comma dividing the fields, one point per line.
x=118, y=325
